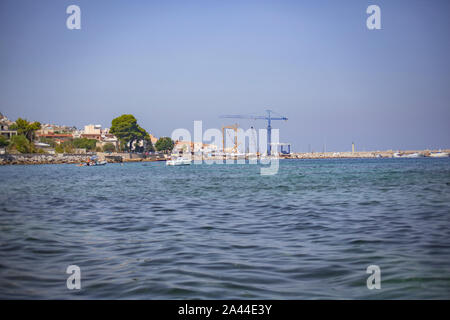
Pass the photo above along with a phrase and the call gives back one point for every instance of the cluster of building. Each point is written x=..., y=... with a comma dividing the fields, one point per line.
x=5, y=125
x=91, y=131
x=63, y=133
x=59, y=134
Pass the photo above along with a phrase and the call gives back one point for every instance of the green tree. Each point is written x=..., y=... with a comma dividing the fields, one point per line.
x=127, y=130
x=3, y=141
x=164, y=144
x=21, y=144
x=25, y=128
x=84, y=143
x=68, y=147
x=109, y=147
x=59, y=149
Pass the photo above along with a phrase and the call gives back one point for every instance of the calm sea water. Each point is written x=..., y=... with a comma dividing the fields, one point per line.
x=147, y=231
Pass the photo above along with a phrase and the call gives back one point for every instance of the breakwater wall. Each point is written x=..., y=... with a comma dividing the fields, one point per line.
x=37, y=158
x=34, y=158
x=359, y=154
x=130, y=157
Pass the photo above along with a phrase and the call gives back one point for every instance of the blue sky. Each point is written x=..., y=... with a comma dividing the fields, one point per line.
x=172, y=62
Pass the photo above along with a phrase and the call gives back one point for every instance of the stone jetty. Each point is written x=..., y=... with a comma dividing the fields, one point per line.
x=42, y=158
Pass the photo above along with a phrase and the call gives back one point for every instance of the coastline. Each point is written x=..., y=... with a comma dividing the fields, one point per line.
x=361, y=154
x=34, y=159
x=60, y=158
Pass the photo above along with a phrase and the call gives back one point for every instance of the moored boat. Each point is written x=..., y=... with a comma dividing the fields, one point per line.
x=414, y=155
x=410, y=155
x=440, y=155
x=92, y=161
x=180, y=161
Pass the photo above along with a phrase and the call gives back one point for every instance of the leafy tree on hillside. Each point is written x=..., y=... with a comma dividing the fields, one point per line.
x=84, y=143
x=21, y=144
x=127, y=130
x=109, y=147
x=68, y=147
x=25, y=128
x=3, y=142
x=164, y=144
x=59, y=149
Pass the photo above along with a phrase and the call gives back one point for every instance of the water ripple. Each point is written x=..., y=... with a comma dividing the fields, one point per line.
x=147, y=231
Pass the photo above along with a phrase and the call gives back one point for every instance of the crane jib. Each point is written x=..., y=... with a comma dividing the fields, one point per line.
x=269, y=119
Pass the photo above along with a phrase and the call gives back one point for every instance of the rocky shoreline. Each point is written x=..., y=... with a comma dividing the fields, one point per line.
x=17, y=159
x=34, y=158
x=14, y=159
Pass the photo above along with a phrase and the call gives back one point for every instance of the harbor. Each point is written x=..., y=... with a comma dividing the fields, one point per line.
x=368, y=154
x=24, y=142
x=227, y=153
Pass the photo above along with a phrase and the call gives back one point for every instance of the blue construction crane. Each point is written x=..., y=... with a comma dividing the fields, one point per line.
x=269, y=119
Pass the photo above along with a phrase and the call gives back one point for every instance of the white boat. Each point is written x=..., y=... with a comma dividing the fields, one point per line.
x=179, y=162
x=414, y=155
x=411, y=155
x=439, y=155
